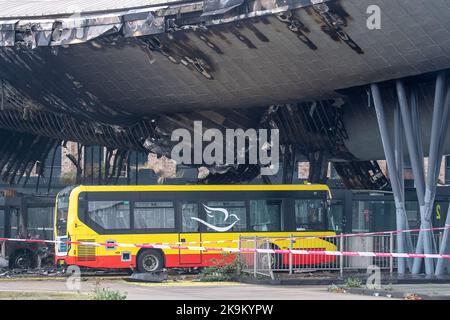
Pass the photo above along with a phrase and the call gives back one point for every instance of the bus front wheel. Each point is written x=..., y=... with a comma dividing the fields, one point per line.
x=150, y=261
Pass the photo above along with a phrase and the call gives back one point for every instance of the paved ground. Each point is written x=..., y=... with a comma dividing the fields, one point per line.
x=441, y=290
x=185, y=290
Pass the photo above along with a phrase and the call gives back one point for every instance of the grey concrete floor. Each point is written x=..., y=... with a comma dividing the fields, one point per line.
x=431, y=289
x=186, y=290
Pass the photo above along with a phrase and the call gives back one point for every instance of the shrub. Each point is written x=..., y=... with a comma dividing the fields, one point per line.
x=353, y=283
x=222, y=270
x=107, y=294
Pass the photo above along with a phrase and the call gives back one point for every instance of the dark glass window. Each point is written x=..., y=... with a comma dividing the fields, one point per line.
x=189, y=216
x=447, y=170
x=413, y=214
x=2, y=223
x=154, y=215
x=310, y=214
x=335, y=220
x=222, y=216
x=40, y=223
x=361, y=216
x=62, y=203
x=371, y=215
x=56, y=162
x=265, y=215
x=110, y=214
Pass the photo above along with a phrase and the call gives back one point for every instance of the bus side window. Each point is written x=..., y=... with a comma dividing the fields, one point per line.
x=188, y=212
x=154, y=215
x=309, y=215
x=265, y=215
x=110, y=214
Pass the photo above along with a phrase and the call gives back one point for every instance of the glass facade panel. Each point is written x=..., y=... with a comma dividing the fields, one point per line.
x=335, y=221
x=360, y=216
x=2, y=223
x=40, y=223
x=413, y=214
x=370, y=216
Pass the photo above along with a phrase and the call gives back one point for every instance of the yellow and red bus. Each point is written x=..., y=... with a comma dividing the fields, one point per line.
x=184, y=214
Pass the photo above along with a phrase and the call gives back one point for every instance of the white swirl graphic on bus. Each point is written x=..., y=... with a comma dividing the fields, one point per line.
x=212, y=212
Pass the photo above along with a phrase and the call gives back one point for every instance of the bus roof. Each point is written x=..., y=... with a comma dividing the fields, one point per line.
x=269, y=187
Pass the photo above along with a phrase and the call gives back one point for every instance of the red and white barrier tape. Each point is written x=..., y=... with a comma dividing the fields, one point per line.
x=305, y=252
x=262, y=237
x=277, y=251
x=245, y=250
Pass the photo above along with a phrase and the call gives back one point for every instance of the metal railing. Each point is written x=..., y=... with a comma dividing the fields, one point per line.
x=267, y=263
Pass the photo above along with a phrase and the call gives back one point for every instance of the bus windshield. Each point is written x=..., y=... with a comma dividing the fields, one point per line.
x=62, y=210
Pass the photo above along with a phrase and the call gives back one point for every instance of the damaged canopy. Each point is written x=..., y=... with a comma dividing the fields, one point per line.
x=78, y=25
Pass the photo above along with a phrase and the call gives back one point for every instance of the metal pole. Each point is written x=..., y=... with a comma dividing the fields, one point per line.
x=391, y=250
x=401, y=221
x=341, y=257
x=254, y=257
x=137, y=168
x=290, y=254
x=239, y=253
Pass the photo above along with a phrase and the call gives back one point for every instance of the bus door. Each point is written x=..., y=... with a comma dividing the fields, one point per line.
x=190, y=232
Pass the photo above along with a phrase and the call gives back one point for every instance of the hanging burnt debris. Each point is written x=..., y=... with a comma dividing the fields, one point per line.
x=316, y=132
x=362, y=175
x=19, y=152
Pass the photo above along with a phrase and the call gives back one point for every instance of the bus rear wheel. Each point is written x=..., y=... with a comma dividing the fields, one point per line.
x=150, y=261
x=21, y=259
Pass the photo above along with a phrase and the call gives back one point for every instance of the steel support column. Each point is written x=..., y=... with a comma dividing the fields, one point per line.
x=417, y=167
x=394, y=177
x=442, y=264
x=426, y=190
x=401, y=217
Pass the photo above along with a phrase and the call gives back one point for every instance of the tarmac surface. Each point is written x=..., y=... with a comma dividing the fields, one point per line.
x=431, y=290
x=182, y=290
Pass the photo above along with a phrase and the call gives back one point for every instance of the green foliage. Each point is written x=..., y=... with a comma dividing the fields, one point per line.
x=336, y=289
x=107, y=294
x=353, y=283
x=222, y=270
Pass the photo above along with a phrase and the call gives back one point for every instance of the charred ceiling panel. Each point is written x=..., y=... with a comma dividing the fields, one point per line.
x=171, y=59
x=215, y=7
x=140, y=23
x=7, y=32
x=32, y=82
